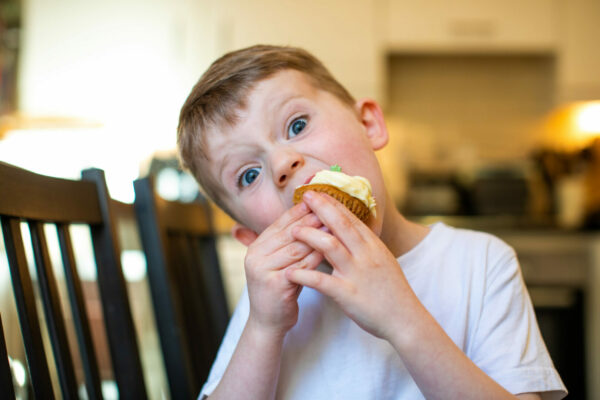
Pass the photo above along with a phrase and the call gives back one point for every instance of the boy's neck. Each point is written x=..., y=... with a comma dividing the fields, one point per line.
x=399, y=234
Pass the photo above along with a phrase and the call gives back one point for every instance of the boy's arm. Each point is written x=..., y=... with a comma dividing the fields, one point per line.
x=371, y=289
x=253, y=370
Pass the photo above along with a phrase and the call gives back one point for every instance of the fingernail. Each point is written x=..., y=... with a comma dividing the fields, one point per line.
x=309, y=195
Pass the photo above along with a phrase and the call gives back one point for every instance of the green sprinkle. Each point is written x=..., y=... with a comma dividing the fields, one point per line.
x=336, y=168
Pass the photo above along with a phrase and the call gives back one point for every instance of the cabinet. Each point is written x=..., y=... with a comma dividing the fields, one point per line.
x=567, y=29
x=340, y=33
x=484, y=25
x=578, y=72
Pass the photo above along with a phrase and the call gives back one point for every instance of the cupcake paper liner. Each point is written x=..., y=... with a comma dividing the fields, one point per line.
x=356, y=206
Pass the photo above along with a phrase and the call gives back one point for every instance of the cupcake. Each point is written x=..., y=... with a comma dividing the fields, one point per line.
x=354, y=192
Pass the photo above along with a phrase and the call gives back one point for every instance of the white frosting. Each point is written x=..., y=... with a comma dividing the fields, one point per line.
x=355, y=186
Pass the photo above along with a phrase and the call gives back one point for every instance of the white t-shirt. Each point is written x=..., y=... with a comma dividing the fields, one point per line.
x=472, y=285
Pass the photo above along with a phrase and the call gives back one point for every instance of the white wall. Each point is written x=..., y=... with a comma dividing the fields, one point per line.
x=124, y=66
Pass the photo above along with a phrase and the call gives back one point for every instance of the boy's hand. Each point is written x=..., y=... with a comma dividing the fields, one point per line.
x=273, y=298
x=370, y=287
x=366, y=281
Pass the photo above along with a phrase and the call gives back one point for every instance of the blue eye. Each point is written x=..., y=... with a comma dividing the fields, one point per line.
x=249, y=176
x=297, y=126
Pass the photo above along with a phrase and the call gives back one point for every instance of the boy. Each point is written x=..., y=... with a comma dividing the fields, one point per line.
x=405, y=311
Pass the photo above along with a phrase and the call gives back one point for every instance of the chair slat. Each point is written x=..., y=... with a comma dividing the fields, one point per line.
x=80, y=317
x=45, y=198
x=167, y=305
x=194, y=270
x=25, y=301
x=193, y=257
x=187, y=219
x=6, y=380
x=195, y=312
x=53, y=310
x=121, y=333
x=213, y=283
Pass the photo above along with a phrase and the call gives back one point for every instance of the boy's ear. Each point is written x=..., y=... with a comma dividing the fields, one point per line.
x=243, y=234
x=371, y=116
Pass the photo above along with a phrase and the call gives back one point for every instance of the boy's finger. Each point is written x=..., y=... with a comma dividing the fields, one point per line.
x=272, y=241
x=325, y=243
x=327, y=284
x=334, y=215
x=290, y=254
x=311, y=261
x=290, y=216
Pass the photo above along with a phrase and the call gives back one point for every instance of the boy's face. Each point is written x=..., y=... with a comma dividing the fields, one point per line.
x=289, y=131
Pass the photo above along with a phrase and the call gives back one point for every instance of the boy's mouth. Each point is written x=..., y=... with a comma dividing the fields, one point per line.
x=309, y=179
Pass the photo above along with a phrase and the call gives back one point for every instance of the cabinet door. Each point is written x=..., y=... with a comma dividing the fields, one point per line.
x=341, y=33
x=472, y=24
x=579, y=62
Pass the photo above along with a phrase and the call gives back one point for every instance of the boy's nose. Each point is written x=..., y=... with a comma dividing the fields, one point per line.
x=285, y=167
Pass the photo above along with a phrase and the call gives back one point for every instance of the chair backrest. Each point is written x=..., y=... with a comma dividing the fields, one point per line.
x=186, y=285
x=39, y=200
x=6, y=378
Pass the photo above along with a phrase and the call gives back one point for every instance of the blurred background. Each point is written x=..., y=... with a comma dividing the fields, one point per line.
x=493, y=108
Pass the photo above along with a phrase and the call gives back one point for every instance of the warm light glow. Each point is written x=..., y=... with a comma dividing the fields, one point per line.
x=573, y=126
x=588, y=117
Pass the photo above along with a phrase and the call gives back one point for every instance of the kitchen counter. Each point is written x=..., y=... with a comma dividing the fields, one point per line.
x=494, y=223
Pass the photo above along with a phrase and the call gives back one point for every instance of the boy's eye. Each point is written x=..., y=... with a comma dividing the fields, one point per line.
x=296, y=127
x=249, y=176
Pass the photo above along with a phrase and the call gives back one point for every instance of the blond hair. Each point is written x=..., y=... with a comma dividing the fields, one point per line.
x=222, y=91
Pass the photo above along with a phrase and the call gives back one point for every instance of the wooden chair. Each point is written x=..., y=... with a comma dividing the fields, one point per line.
x=39, y=200
x=185, y=282
x=6, y=379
